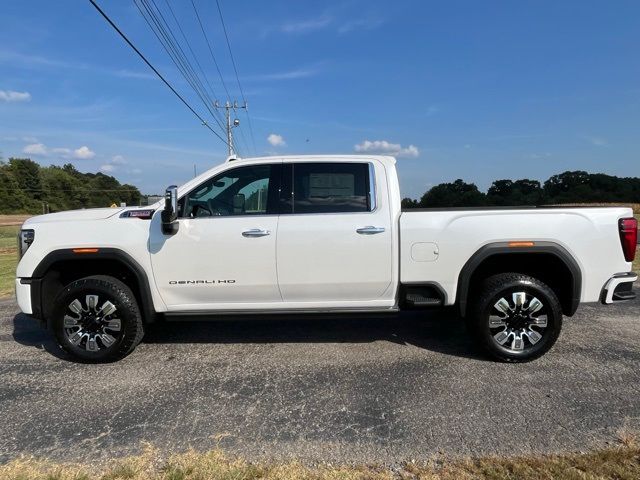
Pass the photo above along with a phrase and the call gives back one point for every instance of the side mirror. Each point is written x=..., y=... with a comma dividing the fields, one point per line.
x=169, y=215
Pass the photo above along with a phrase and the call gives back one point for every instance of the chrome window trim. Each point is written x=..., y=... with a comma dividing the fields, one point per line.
x=373, y=194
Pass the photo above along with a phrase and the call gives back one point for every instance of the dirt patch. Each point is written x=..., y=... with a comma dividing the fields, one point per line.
x=6, y=220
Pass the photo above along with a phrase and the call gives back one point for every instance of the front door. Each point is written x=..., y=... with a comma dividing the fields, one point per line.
x=224, y=253
x=335, y=236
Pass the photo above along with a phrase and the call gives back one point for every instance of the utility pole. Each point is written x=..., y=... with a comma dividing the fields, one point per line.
x=228, y=106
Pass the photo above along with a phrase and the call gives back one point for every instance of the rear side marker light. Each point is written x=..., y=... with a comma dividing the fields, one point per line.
x=85, y=250
x=628, y=237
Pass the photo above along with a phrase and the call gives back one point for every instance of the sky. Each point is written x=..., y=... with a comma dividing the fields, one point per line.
x=456, y=89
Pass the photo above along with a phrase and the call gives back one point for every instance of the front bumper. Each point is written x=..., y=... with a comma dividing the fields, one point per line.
x=619, y=288
x=23, y=296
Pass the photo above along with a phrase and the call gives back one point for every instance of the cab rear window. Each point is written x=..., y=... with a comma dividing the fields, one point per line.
x=328, y=188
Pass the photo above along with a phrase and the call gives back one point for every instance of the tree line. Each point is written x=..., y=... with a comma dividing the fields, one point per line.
x=567, y=187
x=25, y=187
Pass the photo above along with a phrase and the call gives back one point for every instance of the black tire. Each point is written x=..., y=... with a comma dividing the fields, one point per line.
x=91, y=324
x=510, y=333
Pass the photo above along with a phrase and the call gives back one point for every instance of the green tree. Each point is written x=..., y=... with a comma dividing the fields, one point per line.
x=27, y=174
x=409, y=203
x=12, y=197
x=456, y=194
x=24, y=186
x=520, y=192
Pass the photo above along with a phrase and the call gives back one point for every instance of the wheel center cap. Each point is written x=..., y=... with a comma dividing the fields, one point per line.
x=518, y=321
x=92, y=322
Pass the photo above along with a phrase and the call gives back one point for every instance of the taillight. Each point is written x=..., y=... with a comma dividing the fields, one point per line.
x=628, y=237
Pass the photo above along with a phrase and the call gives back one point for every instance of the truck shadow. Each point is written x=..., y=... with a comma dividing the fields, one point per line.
x=29, y=332
x=438, y=331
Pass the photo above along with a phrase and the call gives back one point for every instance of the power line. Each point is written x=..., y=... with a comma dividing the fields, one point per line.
x=168, y=41
x=213, y=57
x=163, y=32
x=193, y=55
x=124, y=37
x=235, y=69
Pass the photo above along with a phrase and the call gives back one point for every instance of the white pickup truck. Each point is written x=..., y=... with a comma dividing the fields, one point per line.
x=317, y=234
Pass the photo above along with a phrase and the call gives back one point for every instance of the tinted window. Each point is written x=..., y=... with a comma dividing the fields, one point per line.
x=330, y=187
x=240, y=191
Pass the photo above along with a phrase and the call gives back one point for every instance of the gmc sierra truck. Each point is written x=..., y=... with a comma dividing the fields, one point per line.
x=317, y=234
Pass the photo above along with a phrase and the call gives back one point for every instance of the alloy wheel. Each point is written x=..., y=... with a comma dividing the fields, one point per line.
x=92, y=325
x=518, y=323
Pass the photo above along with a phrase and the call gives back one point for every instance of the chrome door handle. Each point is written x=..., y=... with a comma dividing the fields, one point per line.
x=370, y=230
x=255, y=232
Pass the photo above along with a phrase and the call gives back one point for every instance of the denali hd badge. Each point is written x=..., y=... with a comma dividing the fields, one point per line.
x=198, y=282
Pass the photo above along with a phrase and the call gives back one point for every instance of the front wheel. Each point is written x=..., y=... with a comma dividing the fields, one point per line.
x=97, y=319
x=516, y=318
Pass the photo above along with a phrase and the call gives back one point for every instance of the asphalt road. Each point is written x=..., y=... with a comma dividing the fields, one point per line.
x=352, y=390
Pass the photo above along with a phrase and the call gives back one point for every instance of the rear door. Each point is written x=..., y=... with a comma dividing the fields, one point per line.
x=334, y=243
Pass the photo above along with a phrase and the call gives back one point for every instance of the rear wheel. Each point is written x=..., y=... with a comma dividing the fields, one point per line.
x=516, y=318
x=97, y=319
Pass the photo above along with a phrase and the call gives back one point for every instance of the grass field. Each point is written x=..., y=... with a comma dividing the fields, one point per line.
x=8, y=258
x=622, y=462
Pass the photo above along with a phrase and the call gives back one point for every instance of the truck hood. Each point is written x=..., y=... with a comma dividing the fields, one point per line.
x=75, y=215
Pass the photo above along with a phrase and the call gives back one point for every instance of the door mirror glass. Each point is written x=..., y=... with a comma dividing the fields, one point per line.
x=170, y=213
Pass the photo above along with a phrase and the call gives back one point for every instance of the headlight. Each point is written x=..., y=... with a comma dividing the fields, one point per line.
x=25, y=239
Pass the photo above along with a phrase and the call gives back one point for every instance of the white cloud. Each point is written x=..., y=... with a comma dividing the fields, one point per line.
x=83, y=153
x=35, y=149
x=276, y=140
x=11, y=96
x=385, y=147
x=307, y=26
x=114, y=164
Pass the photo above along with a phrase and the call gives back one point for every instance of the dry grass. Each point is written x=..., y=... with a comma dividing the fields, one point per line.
x=621, y=462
